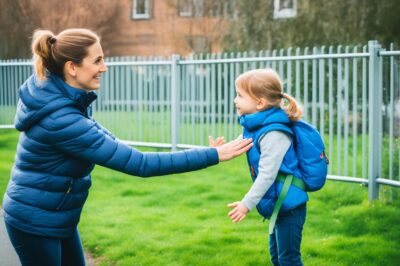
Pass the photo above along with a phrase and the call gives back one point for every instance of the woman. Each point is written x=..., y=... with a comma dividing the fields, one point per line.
x=59, y=145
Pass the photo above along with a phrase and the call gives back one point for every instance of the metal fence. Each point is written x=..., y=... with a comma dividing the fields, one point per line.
x=351, y=94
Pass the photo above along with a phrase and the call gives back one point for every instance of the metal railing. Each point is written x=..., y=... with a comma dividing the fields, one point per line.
x=351, y=94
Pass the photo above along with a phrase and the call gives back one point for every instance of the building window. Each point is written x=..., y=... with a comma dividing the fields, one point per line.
x=221, y=9
x=185, y=8
x=285, y=9
x=211, y=8
x=141, y=9
x=190, y=8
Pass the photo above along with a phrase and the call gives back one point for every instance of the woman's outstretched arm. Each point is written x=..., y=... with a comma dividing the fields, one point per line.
x=81, y=138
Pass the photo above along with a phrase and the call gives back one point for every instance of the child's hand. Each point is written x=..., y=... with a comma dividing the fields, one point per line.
x=217, y=142
x=239, y=211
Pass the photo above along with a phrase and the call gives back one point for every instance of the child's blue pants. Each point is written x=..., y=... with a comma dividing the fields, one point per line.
x=284, y=243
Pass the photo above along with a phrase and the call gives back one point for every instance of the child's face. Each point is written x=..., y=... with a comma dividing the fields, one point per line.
x=244, y=103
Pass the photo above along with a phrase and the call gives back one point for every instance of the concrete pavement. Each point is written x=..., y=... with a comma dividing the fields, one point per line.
x=8, y=257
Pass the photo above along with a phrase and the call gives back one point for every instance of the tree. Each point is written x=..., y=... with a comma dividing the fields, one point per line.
x=322, y=22
x=19, y=18
x=13, y=30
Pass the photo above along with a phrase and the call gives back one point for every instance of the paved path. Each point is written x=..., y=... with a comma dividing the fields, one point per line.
x=8, y=257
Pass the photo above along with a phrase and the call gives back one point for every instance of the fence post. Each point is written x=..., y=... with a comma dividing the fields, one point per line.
x=374, y=120
x=175, y=82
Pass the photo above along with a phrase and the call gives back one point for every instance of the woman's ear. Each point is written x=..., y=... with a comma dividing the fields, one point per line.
x=261, y=104
x=70, y=69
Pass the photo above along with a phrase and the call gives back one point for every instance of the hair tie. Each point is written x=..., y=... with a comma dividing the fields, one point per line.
x=52, y=40
x=281, y=95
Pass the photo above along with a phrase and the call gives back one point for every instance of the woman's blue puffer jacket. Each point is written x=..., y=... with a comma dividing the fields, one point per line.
x=58, y=148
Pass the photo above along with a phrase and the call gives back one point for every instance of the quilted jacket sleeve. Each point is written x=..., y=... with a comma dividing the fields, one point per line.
x=99, y=126
x=81, y=137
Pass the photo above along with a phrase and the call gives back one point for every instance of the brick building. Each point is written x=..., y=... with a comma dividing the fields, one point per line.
x=164, y=27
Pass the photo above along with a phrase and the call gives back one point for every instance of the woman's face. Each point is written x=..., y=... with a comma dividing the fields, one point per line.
x=87, y=74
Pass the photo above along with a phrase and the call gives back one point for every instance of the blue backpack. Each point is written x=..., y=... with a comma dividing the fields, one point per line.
x=310, y=151
x=313, y=165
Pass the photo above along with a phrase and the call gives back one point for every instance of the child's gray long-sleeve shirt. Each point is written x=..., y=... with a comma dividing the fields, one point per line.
x=273, y=147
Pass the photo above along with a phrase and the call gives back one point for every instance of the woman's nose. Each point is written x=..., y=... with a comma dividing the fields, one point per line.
x=103, y=68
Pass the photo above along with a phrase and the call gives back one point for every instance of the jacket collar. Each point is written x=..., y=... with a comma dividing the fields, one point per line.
x=257, y=120
x=82, y=98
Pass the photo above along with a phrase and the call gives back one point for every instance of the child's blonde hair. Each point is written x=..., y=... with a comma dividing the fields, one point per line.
x=265, y=83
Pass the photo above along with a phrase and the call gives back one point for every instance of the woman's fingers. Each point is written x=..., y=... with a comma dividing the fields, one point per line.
x=234, y=148
x=211, y=141
x=219, y=141
x=241, y=143
x=243, y=150
x=216, y=142
x=243, y=146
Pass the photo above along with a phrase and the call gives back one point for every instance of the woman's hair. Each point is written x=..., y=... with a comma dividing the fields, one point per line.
x=51, y=52
x=265, y=83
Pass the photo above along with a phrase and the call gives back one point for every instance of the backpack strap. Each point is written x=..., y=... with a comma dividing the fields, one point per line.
x=279, y=202
x=287, y=181
x=297, y=182
x=273, y=127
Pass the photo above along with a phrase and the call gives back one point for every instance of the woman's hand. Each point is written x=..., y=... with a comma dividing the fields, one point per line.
x=239, y=211
x=215, y=142
x=233, y=149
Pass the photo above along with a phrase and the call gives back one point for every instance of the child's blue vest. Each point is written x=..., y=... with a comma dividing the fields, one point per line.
x=257, y=125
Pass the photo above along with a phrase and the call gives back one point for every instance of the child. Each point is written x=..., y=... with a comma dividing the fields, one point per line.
x=260, y=102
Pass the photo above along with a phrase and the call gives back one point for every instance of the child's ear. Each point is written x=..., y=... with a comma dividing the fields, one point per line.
x=261, y=104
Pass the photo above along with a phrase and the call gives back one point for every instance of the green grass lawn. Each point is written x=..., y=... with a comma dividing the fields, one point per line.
x=182, y=219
